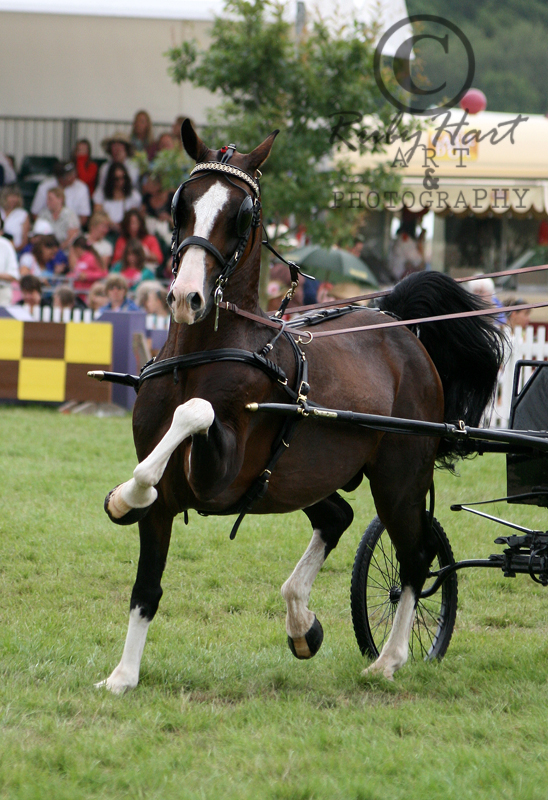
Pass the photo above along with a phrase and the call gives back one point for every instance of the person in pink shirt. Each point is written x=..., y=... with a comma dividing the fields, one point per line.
x=133, y=227
x=85, y=265
x=132, y=264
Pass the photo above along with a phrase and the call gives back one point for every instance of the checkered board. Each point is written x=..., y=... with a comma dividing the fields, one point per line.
x=49, y=361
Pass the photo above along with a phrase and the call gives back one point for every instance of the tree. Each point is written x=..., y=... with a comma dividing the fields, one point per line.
x=269, y=77
x=508, y=38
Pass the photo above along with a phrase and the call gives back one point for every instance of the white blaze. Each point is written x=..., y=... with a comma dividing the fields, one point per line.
x=192, y=269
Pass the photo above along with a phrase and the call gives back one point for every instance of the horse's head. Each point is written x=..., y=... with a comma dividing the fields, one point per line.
x=216, y=214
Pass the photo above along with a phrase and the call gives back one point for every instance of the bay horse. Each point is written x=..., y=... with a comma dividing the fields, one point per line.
x=199, y=446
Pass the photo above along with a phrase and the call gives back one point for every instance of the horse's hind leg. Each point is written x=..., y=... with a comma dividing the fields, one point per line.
x=155, y=534
x=329, y=518
x=129, y=501
x=400, y=498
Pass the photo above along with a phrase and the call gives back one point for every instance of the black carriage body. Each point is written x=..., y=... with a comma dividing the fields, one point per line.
x=527, y=473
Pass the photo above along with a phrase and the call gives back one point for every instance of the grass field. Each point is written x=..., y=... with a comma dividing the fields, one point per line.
x=223, y=709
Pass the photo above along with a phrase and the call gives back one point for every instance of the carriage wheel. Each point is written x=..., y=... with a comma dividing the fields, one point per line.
x=376, y=589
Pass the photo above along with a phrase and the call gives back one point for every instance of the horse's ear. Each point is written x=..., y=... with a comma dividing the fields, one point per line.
x=261, y=153
x=192, y=142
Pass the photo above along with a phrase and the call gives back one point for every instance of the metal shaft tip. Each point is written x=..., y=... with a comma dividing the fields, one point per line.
x=97, y=374
x=252, y=406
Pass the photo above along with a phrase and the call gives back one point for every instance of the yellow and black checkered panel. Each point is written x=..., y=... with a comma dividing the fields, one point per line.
x=49, y=361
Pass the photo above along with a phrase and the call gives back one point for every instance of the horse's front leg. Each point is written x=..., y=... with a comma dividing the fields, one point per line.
x=329, y=518
x=155, y=534
x=129, y=501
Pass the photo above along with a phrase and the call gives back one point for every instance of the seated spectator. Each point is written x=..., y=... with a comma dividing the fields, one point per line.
x=15, y=218
x=485, y=288
x=133, y=227
x=86, y=169
x=165, y=141
x=40, y=260
x=116, y=289
x=142, y=135
x=97, y=296
x=156, y=200
x=85, y=264
x=76, y=192
x=518, y=319
x=9, y=269
x=132, y=264
x=117, y=196
x=151, y=296
x=58, y=261
x=7, y=171
x=63, y=220
x=119, y=150
x=40, y=229
x=157, y=210
x=99, y=226
x=64, y=297
x=31, y=292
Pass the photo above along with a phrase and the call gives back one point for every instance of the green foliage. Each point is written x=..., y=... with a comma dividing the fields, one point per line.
x=169, y=167
x=223, y=709
x=509, y=42
x=270, y=79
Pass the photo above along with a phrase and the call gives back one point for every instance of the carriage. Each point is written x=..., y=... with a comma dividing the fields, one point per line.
x=376, y=586
x=244, y=413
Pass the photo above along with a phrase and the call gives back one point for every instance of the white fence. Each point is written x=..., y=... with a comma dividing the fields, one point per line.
x=49, y=314
x=524, y=345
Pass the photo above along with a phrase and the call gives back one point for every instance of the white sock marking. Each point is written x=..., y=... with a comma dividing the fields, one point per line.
x=194, y=416
x=296, y=590
x=126, y=674
x=395, y=651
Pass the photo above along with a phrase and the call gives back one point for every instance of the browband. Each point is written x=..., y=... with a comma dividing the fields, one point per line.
x=216, y=166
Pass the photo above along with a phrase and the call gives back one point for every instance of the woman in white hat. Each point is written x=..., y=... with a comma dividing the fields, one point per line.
x=119, y=150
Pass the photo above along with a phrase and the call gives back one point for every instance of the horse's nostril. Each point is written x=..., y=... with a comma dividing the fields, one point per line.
x=194, y=301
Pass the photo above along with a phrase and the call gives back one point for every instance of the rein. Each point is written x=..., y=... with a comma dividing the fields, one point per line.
x=295, y=329
x=382, y=293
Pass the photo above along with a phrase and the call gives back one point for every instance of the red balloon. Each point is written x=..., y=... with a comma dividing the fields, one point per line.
x=474, y=101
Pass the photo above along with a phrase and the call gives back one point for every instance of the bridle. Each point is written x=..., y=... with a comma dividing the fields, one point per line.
x=248, y=219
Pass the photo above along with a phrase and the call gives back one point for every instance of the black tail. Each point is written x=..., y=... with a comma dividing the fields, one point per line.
x=467, y=353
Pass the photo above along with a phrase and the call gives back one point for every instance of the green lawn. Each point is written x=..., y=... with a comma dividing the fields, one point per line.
x=223, y=709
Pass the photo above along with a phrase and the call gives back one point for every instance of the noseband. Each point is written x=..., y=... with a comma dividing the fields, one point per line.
x=249, y=218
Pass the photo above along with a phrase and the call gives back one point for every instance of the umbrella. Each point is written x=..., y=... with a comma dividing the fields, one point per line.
x=333, y=265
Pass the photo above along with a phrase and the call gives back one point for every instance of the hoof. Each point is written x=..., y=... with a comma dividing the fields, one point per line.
x=308, y=645
x=132, y=516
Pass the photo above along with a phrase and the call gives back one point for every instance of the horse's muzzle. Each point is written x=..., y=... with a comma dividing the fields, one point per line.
x=186, y=308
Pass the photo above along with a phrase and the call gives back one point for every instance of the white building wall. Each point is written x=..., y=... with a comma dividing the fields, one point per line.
x=56, y=65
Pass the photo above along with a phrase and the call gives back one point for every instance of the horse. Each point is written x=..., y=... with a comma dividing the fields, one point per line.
x=200, y=447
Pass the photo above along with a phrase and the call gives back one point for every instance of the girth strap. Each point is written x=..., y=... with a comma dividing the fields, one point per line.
x=259, y=487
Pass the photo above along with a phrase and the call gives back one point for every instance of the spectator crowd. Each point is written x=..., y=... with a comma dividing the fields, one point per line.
x=98, y=231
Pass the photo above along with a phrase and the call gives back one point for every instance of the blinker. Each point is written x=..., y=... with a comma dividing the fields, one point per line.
x=245, y=216
x=175, y=205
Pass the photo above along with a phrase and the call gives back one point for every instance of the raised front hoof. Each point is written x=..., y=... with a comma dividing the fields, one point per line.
x=130, y=518
x=308, y=645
